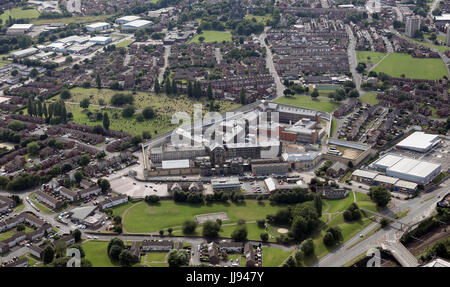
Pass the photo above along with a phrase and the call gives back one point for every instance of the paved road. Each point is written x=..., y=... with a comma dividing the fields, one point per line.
x=269, y=63
x=352, y=59
x=353, y=248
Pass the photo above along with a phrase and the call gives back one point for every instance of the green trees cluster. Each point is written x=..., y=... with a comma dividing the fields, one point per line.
x=178, y=258
x=380, y=195
x=352, y=213
x=194, y=90
x=211, y=229
x=297, y=195
x=189, y=227
x=240, y=233
x=333, y=235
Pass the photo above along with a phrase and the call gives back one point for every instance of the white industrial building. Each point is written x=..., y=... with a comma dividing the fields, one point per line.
x=172, y=164
x=230, y=183
x=23, y=53
x=19, y=29
x=127, y=19
x=136, y=25
x=419, y=141
x=99, y=26
x=408, y=169
x=100, y=40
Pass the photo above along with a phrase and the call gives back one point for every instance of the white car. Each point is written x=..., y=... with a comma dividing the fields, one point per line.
x=89, y=237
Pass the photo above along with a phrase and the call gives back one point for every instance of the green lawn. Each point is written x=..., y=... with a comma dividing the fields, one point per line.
x=43, y=208
x=261, y=19
x=369, y=57
x=212, y=36
x=124, y=43
x=11, y=232
x=369, y=98
x=252, y=228
x=156, y=256
x=19, y=208
x=307, y=102
x=273, y=257
x=120, y=209
x=337, y=205
x=398, y=64
x=19, y=13
x=96, y=253
x=151, y=218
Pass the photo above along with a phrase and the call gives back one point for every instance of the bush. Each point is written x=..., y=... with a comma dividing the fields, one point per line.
x=261, y=223
x=211, y=229
x=240, y=233
x=264, y=236
x=189, y=227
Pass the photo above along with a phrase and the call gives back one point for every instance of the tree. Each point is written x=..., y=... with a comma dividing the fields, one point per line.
x=242, y=97
x=189, y=227
x=161, y=232
x=167, y=86
x=84, y=160
x=290, y=262
x=384, y=222
x=85, y=103
x=380, y=195
x=178, y=258
x=76, y=235
x=103, y=184
x=307, y=246
x=298, y=256
x=157, y=87
x=189, y=89
x=78, y=176
x=98, y=81
x=299, y=227
x=48, y=255
x=318, y=204
x=115, y=247
x=211, y=229
x=264, y=236
x=128, y=111
x=65, y=94
x=328, y=239
x=33, y=148
x=240, y=233
x=174, y=87
x=20, y=227
x=126, y=258
x=315, y=94
x=209, y=92
x=148, y=113
x=60, y=249
x=106, y=122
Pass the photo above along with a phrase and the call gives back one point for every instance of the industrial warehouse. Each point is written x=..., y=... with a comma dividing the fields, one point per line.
x=405, y=168
x=419, y=142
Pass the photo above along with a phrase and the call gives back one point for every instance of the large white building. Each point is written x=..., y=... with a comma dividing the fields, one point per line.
x=408, y=169
x=99, y=26
x=136, y=25
x=19, y=29
x=127, y=19
x=419, y=141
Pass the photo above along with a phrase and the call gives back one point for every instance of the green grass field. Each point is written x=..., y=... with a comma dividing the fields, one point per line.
x=212, y=36
x=306, y=102
x=369, y=57
x=124, y=43
x=338, y=205
x=156, y=256
x=333, y=126
x=398, y=64
x=151, y=218
x=260, y=19
x=441, y=48
x=369, y=98
x=96, y=253
x=273, y=257
x=19, y=13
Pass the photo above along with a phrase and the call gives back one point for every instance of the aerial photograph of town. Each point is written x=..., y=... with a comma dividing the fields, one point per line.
x=224, y=133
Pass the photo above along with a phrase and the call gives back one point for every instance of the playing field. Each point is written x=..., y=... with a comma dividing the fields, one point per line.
x=143, y=217
x=398, y=64
x=320, y=104
x=19, y=13
x=124, y=43
x=369, y=57
x=212, y=36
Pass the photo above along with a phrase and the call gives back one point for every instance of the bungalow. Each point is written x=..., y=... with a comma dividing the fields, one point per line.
x=23, y=262
x=249, y=252
x=86, y=183
x=157, y=245
x=114, y=201
x=213, y=253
